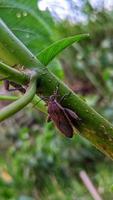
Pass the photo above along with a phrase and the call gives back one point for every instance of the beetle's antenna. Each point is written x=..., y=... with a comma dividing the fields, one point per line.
x=55, y=94
x=66, y=95
x=42, y=98
x=57, y=88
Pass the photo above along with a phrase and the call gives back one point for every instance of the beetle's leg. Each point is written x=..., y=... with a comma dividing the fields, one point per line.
x=17, y=87
x=6, y=84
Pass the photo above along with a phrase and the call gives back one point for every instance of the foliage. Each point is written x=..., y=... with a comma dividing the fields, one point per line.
x=20, y=16
x=50, y=52
x=92, y=61
x=43, y=164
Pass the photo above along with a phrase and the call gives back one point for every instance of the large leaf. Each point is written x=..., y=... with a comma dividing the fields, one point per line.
x=48, y=54
x=28, y=23
x=33, y=27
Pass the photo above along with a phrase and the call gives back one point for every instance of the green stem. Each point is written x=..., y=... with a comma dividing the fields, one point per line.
x=37, y=102
x=13, y=108
x=93, y=126
x=8, y=98
x=13, y=74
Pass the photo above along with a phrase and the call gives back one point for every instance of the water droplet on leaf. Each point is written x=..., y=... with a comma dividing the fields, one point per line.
x=25, y=13
x=18, y=15
x=27, y=35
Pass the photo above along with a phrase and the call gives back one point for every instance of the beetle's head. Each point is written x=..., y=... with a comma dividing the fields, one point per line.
x=52, y=97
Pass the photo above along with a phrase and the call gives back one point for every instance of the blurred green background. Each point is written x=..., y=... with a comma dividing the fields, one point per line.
x=36, y=162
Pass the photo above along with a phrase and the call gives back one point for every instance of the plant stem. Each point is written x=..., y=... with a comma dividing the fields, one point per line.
x=16, y=106
x=13, y=74
x=93, y=126
x=8, y=98
x=37, y=102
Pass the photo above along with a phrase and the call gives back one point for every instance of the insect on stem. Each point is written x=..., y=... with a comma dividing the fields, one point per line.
x=63, y=118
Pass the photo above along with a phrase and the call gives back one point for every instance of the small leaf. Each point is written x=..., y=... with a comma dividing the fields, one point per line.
x=48, y=54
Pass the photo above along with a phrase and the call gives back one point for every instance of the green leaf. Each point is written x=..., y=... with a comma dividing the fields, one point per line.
x=33, y=27
x=48, y=54
x=57, y=69
x=29, y=24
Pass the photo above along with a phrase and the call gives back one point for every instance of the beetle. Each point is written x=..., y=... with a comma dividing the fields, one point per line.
x=63, y=118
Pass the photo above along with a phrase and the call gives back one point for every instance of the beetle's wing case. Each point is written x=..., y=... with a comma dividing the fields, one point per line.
x=60, y=119
x=75, y=120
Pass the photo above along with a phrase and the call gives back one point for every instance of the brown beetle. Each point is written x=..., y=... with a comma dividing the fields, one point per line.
x=63, y=118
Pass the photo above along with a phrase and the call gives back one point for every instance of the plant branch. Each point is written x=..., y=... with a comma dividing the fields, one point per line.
x=13, y=74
